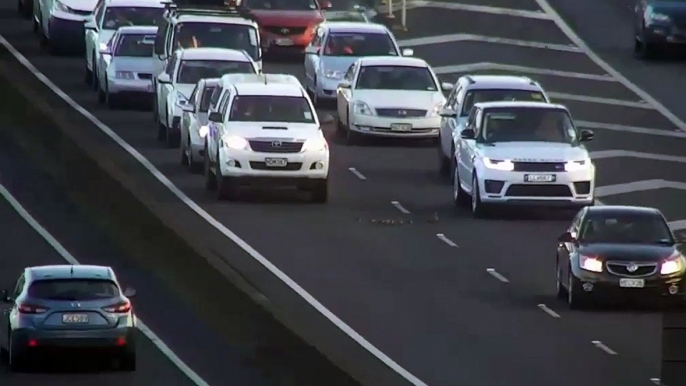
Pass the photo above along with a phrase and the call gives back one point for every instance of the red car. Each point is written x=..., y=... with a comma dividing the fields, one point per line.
x=286, y=25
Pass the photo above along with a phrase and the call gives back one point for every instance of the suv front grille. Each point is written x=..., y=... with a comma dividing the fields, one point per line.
x=521, y=190
x=539, y=167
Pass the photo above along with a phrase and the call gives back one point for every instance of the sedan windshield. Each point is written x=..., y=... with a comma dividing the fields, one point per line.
x=292, y=5
x=479, y=96
x=116, y=17
x=396, y=78
x=191, y=71
x=359, y=44
x=271, y=109
x=217, y=35
x=135, y=45
x=626, y=229
x=73, y=289
x=527, y=124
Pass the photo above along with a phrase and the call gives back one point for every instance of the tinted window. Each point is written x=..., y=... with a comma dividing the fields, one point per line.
x=116, y=17
x=396, y=78
x=271, y=109
x=206, y=99
x=73, y=289
x=478, y=96
x=299, y=5
x=191, y=71
x=140, y=46
x=345, y=16
x=626, y=228
x=527, y=124
x=217, y=35
x=359, y=44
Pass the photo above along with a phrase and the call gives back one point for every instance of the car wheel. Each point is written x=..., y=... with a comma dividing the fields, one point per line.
x=443, y=161
x=193, y=165
x=479, y=210
x=320, y=191
x=210, y=178
x=88, y=77
x=227, y=187
x=18, y=361
x=560, y=289
x=315, y=98
x=643, y=50
x=577, y=298
x=173, y=137
x=96, y=78
x=127, y=361
x=460, y=197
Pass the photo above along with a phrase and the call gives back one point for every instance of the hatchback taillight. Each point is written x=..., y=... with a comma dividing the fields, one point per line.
x=118, y=308
x=25, y=308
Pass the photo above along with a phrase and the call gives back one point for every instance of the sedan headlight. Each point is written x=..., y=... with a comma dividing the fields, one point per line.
x=235, y=142
x=203, y=131
x=123, y=74
x=61, y=7
x=315, y=144
x=502, y=165
x=575, y=166
x=331, y=74
x=361, y=108
x=659, y=18
x=590, y=263
x=672, y=264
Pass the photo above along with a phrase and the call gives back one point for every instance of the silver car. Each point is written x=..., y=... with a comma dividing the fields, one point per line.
x=195, y=124
x=67, y=307
x=126, y=66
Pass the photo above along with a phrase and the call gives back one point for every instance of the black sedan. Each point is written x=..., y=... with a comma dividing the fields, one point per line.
x=658, y=24
x=613, y=252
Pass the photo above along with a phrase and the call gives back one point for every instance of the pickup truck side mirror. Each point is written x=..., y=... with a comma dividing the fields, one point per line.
x=164, y=78
x=585, y=135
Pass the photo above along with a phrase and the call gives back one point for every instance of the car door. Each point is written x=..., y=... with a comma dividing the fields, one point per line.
x=5, y=325
x=312, y=58
x=466, y=150
x=566, y=250
x=91, y=36
x=217, y=128
x=343, y=95
x=163, y=89
x=447, y=125
x=187, y=117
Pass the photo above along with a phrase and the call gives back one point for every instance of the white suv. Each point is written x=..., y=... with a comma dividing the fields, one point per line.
x=266, y=133
x=522, y=153
x=471, y=89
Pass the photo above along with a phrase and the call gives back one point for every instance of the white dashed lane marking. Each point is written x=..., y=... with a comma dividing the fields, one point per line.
x=400, y=207
x=548, y=311
x=497, y=275
x=603, y=347
x=357, y=174
x=446, y=240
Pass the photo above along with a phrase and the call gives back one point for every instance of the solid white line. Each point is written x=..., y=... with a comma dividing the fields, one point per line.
x=638, y=186
x=497, y=275
x=462, y=68
x=656, y=381
x=599, y=100
x=602, y=154
x=446, y=240
x=442, y=39
x=567, y=30
x=357, y=174
x=630, y=129
x=603, y=347
x=400, y=207
x=411, y=4
x=354, y=335
x=548, y=311
x=69, y=258
x=677, y=225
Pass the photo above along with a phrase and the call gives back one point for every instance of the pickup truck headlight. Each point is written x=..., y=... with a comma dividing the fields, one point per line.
x=502, y=165
x=361, y=108
x=590, y=263
x=315, y=144
x=235, y=142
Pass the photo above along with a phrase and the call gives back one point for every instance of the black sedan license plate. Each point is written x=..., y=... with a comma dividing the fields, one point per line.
x=276, y=162
x=539, y=178
x=74, y=318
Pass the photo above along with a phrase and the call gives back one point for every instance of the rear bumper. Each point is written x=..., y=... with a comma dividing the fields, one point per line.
x=122, y=338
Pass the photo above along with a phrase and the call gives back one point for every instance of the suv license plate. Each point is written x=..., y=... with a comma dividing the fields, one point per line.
x=539, y=178
x=74, y=318
x=404, y=127
x=632, y=283
x=276, y=162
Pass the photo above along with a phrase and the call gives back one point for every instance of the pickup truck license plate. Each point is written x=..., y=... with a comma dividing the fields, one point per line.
x=539, y=178
x=403, y=127
x=74, y=318
x=632, y=283
x=276, y=162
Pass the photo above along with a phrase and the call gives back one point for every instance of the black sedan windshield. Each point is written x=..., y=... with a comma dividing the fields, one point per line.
x=396, y=78
x=630, y=228
x=116, y=17
x=527, y=124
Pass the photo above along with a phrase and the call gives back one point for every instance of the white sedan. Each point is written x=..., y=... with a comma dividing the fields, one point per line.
x=390, y=97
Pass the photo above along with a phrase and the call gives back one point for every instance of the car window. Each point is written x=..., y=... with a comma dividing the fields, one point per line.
x=73, y=289
x=271, y=109
x=350, y=74
x=116, y=17
x=191, y=71
x=292, y=5
x=359, y=44
x=217, y=35
x=19, y=287
x=396, y=78
x=626, y=228
x=135, y=45
x=491, y=95
x=224, y=102
x=205, y=100
x=216, y=93
x=527, y=124
x=171, y=65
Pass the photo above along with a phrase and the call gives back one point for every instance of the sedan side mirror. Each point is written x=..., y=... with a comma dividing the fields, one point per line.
x=105, y=51
x=129, y=292
x=344, y=84
x=407, y=52
x=565, y=238
x=5, y=296
x=448, y=113
x=467, y=134
x=585, y=135
x=215, y=117
x=164, y=78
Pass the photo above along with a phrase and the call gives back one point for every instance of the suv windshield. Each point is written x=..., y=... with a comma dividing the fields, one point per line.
x=116, y=17
x=293, y=5
x=359, y=44
x=135, y=45
x=73, y=289
x=479, y=96
x=629, y=228
x=395, y=78
x=191, y=71
x=217, y=35
x=527, y=124
x=260, y=108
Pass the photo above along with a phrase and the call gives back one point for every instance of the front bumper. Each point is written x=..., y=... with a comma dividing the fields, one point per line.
x=291, y=43
x=664, y=35
x=606, y=285
x=132, y=86
x=426, y=127
x=249, y=164
x=76, y=339
x=66, y=31
x=570, y=189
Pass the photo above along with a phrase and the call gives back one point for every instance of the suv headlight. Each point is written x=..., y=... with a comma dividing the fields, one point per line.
x=672, y=264
x=123, y=74
x=235, y=142
x=575, y=166
x=361, y=108
x=61, y=7
x=590, y=263
x=331, y=74
x=315, y=144
x=502, y=165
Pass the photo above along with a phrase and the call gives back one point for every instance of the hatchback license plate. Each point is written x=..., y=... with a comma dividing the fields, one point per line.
x=539, y=178
x=276, y=162
x=74, y=318
x=404, y=127
x=632, y=283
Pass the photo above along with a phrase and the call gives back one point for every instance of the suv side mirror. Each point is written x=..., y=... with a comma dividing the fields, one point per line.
x=5, y=296
x=89, y=25
x=407, y=52
x=565, y=238
x=344, y=84
x=215, y=117
x=585, y=135
x=467, y=133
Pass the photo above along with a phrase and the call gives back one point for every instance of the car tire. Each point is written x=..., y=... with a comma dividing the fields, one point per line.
x=320, y=192
x=96, y=79
x=315, y=98
x=127, y=361
x=227, y=187
x=479, y=209
x=351, y=137
x=443, y=161
x=643, y=50
x=577, y=298
x=210, y=178
x=561, y=291
x=460, y=198
x=18, y=362
x=192, y=165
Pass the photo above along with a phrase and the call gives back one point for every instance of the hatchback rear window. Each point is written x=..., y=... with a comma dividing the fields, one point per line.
x=73, y=289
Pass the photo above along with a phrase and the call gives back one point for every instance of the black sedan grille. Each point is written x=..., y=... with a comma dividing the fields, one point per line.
x=522, y=190
x=401, y=113
x=539, y=167
x=275, y=146
x=285, y=31
x=620, y=268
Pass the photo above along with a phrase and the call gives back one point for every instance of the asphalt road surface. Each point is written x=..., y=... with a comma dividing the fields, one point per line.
x=482, y=309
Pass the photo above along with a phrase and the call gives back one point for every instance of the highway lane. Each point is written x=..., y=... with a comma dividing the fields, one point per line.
x=398, y=285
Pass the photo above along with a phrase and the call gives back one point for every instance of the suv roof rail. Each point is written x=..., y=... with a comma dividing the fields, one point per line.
x=173, y=10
